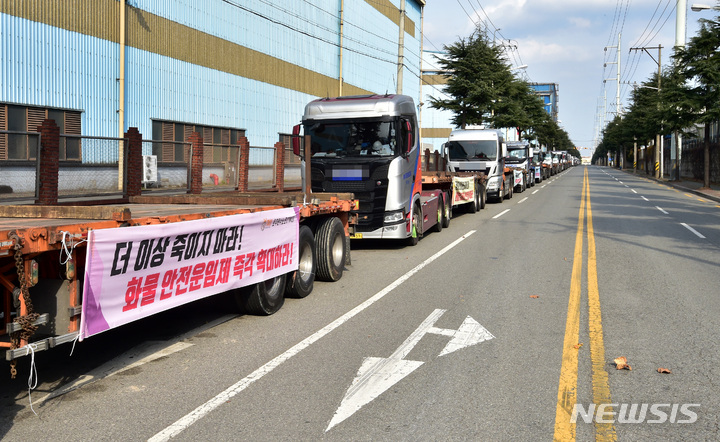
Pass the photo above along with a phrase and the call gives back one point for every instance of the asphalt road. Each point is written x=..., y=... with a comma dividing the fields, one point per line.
x=503, y=326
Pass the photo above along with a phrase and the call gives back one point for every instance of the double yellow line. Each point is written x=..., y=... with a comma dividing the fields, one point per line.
x=567, y=388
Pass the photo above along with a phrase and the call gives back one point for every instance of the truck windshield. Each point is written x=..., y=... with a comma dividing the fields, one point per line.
x=473, y=150
x=357, y=138
x=516, y=155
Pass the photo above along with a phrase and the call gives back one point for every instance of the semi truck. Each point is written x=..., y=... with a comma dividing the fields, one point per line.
x=71, y=270
x=370, y=145
x=482, y=151
x=519, y=159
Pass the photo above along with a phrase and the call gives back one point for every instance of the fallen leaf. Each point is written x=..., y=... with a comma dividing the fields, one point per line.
x=565, y=259
x=534, y=296
x=577, y=346
x=664, y=370
x=621, y=363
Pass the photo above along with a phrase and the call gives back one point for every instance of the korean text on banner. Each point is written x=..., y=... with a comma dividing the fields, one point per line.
x=135, y=272
x=463, y=190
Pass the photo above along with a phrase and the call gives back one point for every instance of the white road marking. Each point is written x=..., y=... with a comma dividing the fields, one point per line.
x=377, y=375
x=692, y=230
x=645, y=198
x=536, y=191
x=501, y=213
x=660, y=209
x=633, y=191
x=181, y=424
x=522, y=200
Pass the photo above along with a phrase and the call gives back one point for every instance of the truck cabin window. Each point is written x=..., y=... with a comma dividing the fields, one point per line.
x=516, y=154
x=359, y=138
x=473, y=150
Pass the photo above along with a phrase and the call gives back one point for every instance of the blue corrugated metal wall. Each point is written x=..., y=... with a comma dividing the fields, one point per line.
x=48, y=66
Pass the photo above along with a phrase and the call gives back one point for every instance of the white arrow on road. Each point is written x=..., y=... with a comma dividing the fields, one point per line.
x=377, y=375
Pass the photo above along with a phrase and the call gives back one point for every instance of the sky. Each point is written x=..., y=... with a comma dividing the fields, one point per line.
x=564, y=41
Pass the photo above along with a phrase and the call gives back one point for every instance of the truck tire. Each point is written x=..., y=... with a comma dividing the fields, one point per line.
x=472, y=205
x=483, y=198
x=263, y=298
x=300, y=282
x=440, y=214
x=415, y=226
x=330, y=249
x=448, y=210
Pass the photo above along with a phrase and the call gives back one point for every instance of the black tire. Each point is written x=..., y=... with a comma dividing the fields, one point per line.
x=440, y=214
x=483, y=197
x=448, y=211
x=263, y=298
x=330, y=249
x=416, y=225
x=472, y=206
x=300, y=282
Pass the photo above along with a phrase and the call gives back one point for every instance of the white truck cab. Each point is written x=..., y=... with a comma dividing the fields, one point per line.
x=481, y=150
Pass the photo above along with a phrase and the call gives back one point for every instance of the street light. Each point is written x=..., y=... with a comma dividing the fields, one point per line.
x=522, y=66
x=697, y=7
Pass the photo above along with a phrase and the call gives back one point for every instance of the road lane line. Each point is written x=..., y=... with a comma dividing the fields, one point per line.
x=567, y=387
x=522, y=200
x=645, y=198
x=600, y=384
x=538, y=190
x=181, y=424
x=692, y=230
x=660, y=209
x=501, y=213
x=633, y=191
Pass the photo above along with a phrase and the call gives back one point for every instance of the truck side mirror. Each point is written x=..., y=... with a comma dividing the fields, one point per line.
x=296, y=140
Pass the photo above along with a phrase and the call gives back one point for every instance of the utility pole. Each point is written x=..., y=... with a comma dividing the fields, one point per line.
x=618, y=106
x=659, y=137
x=401, y=48
x=676, y=150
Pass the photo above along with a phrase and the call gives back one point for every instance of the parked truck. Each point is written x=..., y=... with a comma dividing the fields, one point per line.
x=519, y=159
x=482, y=151
x=68, y=272
x=370, y=146
x=541, y=172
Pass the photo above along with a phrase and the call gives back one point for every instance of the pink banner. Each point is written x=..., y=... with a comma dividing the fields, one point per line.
x=134, y=272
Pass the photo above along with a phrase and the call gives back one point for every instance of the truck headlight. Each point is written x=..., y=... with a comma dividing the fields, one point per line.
x=494, y=183
x=394, y=217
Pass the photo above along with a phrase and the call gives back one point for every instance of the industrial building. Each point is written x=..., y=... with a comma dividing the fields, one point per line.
x=223, y=68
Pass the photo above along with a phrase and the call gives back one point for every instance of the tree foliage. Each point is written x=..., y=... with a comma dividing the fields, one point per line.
x=482, y=90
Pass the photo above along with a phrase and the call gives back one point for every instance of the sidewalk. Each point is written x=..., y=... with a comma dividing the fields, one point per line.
x=685, y=185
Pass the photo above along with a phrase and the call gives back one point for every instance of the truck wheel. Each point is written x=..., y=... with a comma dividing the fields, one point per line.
x=440, y=214
x=448, y=211
x=415, y=226
x=263, y=298
x=330, y=249
x=300, y=282
x=474, y=205
x=483, y=199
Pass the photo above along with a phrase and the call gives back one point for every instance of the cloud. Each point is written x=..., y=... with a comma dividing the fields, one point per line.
x=580, y=22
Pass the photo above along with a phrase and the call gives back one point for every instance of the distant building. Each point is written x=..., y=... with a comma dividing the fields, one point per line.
x=549, y=94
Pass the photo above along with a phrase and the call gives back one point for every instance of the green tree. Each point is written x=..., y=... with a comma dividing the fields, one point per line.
x=477, y=76
x=699, y=63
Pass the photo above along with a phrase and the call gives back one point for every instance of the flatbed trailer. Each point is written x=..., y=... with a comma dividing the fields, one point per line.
x=457, y=189
x=47, y=253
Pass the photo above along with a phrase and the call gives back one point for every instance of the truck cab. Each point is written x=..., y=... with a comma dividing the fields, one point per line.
x=369, y=145
x=481, y=150
x=520, y=160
